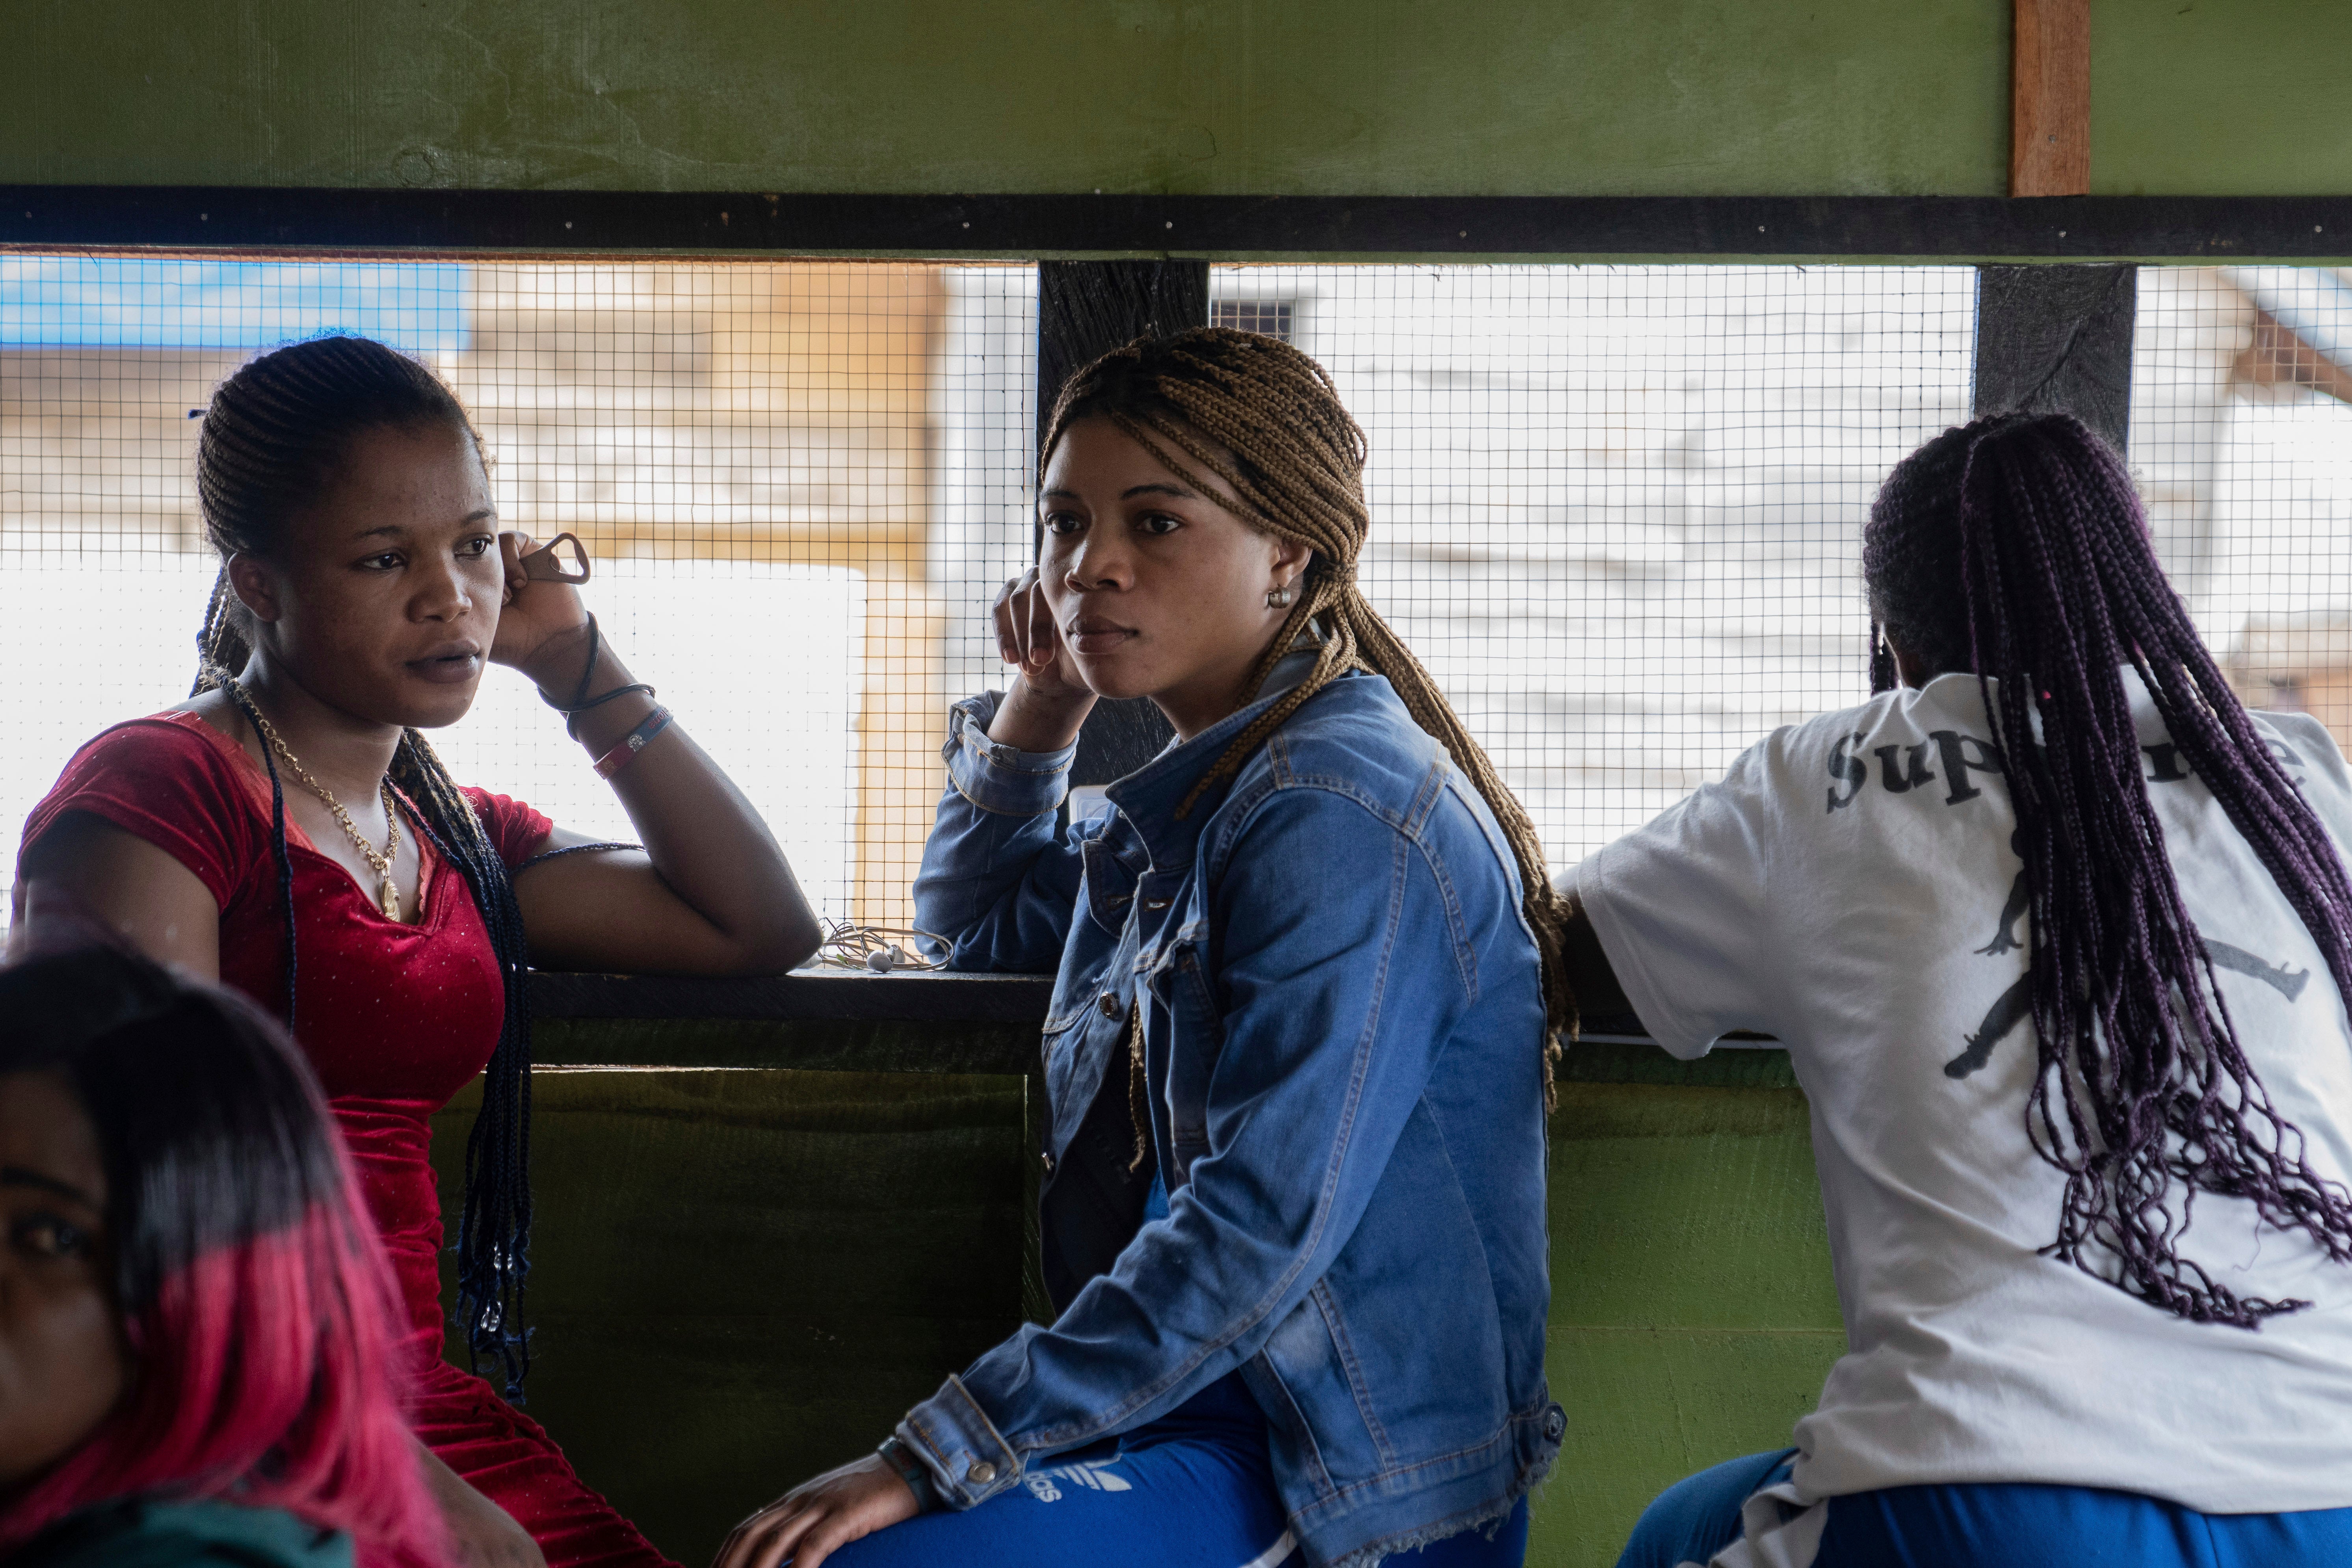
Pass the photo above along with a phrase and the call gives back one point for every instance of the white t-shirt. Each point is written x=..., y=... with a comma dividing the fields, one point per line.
x=1846, y=888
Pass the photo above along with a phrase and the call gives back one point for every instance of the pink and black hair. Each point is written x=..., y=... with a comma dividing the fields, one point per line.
x=255, y=1298
x=2015, y=548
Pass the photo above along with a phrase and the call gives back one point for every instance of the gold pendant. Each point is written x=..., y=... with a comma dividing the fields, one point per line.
x=390, y=900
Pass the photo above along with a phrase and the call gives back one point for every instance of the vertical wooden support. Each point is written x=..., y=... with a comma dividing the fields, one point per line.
x=2057, y=339
x=2050, y=99
x=1085, y=309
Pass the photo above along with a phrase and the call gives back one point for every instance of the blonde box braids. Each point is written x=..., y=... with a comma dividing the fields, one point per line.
x=1268, y=420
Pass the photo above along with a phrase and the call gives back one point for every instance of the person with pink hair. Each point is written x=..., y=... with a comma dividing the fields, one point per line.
x=197, y=1323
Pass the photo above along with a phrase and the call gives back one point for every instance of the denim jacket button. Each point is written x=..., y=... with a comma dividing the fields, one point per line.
x=1109, y=1006
x=982, y=1473
x=1555, y=1423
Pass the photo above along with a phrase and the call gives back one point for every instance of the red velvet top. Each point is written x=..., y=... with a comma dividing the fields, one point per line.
x=394, y=1018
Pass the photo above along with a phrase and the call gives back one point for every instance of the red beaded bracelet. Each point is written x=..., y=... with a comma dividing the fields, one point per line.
x=637, y=739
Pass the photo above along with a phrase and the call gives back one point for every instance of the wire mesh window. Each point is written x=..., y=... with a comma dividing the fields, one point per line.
x=1271, y=317
x=793, y=479
x=2241, y=440
x=1616, y=509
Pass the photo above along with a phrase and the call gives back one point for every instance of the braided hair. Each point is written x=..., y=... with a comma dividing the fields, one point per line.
x=2015, y=547
x=1268, y=420
x=274, y=436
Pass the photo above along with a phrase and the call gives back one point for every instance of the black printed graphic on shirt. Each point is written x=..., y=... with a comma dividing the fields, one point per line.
x=2014, y=1005
x=1906, y=768
x=2005, y=939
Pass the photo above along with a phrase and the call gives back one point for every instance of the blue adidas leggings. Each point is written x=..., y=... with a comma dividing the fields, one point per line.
x=2015, y=1525
x=1194, y=1489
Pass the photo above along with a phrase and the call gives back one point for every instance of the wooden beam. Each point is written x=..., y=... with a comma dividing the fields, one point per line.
x=2050, y=99
x=285, y=223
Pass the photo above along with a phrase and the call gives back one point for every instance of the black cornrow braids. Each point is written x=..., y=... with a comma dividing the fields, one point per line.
x=2016, y=548
x=273, y=436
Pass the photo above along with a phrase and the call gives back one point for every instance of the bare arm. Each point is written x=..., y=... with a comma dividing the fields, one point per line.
x=483, y=1534
x=86, y=870
x=712, y=894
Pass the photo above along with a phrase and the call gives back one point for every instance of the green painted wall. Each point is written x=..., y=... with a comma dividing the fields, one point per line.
x=1214, y=96
x=1344, y=96
x=2219, y=97
x=743, y=1277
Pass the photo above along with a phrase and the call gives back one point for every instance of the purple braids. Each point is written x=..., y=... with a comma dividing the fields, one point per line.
x=2144, y=1098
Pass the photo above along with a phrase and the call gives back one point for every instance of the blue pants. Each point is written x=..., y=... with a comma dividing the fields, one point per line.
x=2013, y=1524
x=1193, y=1489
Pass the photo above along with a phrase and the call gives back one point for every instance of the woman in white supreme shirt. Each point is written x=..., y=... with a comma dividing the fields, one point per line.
x=2058, y=935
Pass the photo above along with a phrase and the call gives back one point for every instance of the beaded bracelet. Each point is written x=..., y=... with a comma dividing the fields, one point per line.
x=636, y=740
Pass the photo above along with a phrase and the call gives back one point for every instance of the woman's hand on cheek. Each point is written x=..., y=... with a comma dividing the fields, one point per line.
x=1049, y=700
x=538, y=622
x=807, y=1524
x=1028, y=639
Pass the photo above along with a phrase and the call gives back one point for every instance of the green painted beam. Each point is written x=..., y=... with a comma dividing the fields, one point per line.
x=1341, y=97
x=743, y=1274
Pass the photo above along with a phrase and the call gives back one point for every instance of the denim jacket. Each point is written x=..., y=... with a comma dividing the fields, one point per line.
x=1342, y=1023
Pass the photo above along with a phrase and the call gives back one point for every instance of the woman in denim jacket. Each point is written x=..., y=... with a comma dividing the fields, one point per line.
x=1297, y=1053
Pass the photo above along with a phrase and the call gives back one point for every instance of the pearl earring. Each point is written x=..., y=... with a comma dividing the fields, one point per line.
x=1279, y=598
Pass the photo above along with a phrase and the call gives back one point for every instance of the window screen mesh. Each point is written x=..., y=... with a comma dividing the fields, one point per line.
x=2241, y=440
x=1616, y=509
x=791, y=477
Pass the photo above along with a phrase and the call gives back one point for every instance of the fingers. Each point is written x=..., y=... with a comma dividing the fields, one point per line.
x=753, y=1542
x=1025, y=625
x=811, y=1522
x=1043, y=643
x=1009, y=619
x=512, y=548
x=784, y=1541
x=851, y=1519
x=819, y=1543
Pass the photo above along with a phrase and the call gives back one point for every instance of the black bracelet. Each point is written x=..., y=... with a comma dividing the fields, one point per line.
x=911, y=1470
x=588, y=670
x=580, y=702
x=618, y=691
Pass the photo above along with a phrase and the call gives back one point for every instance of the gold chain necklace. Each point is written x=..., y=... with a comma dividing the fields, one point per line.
x=388, y=891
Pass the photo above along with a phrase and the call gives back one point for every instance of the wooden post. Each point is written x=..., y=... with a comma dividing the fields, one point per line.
x=2057, y=339
x=2050, y=99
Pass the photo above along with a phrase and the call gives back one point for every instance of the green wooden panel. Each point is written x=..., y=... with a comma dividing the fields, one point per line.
x=744, y=1275
x=1227, y=97
x=1648, y=1406
x=1693, y=1314
x=741, y=1278
x=2219, y=97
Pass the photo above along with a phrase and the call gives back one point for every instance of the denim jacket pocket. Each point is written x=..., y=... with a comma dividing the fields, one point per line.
x=1195, y=1040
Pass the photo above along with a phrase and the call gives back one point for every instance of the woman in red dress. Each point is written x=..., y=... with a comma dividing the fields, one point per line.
x=288, y=831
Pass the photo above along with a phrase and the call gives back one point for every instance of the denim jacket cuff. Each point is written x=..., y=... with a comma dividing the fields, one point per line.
x=970, y=1459
x=995, y=777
